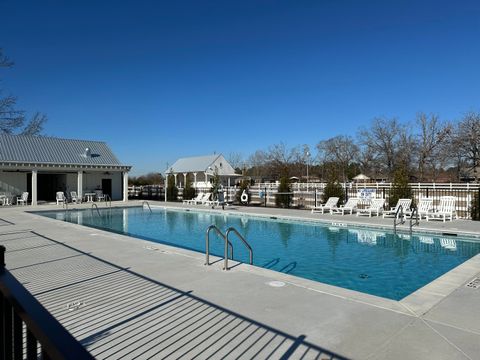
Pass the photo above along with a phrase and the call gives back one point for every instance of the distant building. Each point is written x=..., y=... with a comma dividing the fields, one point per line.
x=44, y=165
x=201, y=169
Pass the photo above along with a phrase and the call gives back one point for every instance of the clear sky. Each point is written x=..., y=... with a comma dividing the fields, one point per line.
x=158, y=80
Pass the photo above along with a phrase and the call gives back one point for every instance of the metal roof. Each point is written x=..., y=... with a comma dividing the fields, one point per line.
x=193, y=164
x=50, y=150
x=202, y=164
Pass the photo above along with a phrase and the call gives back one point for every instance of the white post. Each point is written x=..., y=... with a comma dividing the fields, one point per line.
x=195, y=179
x=175, y=176
x=80, y=184
x=34, y=187
x=125, y=186
x=165, y=182
x=206, y=178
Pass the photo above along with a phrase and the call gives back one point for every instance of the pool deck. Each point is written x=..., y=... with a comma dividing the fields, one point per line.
x=130, y=298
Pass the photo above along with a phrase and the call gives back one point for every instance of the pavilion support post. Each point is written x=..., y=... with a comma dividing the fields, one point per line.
x=125, y=186
x=80, y=184
x=34, y=187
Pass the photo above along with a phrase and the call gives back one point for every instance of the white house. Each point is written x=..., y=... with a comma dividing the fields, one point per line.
x=44, y=165
x=201, y=169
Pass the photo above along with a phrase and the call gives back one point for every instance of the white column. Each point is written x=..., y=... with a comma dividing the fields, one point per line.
x=206, y=178
x=34, y=187
x=185, y=179
x=125, y=186
x=195, y=179
x=80, y=184
x=175, y=176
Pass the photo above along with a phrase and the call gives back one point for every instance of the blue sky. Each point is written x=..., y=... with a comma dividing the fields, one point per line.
x=161, y=80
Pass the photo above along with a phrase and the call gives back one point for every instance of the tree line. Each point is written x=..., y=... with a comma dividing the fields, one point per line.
x=426, y=149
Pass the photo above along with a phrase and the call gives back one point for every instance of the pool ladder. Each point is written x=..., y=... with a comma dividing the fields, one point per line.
x=228, y=244
x=146, y=203
x=414, y=219
x=398, y=215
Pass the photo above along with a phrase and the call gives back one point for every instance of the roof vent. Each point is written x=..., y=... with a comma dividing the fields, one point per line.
x=88, y=153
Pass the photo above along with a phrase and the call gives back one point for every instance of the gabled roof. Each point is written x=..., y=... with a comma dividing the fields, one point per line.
x=50, y=150
x=202, y=164
x=193, y=164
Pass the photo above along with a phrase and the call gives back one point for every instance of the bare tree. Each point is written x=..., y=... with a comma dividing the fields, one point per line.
x=468, y=141
x=388, y=141
x=236, y=160
x=431, y=145
x=340, y=150
x=13, y=120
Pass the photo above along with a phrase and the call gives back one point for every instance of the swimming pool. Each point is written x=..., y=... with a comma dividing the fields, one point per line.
x=376, y=262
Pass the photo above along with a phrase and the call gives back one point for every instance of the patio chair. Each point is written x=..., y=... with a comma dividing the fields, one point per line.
x=446, y=209
x=23, y=199
x=195, y=199
x=99, y=196
x=404, y=203
x=376, y=206
x=349, y=207
x=424, y=206
x=75, y=198
x=331, y=203
x=60, y=197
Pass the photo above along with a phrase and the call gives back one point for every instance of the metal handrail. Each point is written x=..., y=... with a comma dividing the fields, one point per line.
x=417, y=220
x=207, y=245
x=96, y=207
x=402, y=221
x=247, y=245
x=106, y=198
x=146, y=202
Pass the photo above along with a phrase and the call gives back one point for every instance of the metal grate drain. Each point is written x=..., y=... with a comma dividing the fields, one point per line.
x=474, y=284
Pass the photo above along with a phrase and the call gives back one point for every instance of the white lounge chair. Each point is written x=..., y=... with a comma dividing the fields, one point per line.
x=376, y=206
x=424, y=206
x=349, y=207
x=195, y=199
x=220, y=200
x=60, y=197
x=331, y=203
x=206, y=198
x=446, y=209
x=23, y=199
x=404, y=203
x=75, y=198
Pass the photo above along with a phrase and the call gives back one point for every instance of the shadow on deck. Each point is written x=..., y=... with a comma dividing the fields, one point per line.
x=117, y=313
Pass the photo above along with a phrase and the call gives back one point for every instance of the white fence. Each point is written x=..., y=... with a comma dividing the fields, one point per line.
x=309, y=195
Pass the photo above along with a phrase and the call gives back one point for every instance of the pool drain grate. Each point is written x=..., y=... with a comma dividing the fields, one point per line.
x=474, y=284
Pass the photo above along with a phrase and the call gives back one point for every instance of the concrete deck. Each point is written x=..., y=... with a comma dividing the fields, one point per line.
x=129, y=298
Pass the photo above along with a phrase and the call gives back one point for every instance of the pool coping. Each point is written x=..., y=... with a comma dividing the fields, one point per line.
x=414, y=304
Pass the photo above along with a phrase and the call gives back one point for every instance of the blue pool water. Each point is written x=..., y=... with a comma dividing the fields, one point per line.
x=371, y=261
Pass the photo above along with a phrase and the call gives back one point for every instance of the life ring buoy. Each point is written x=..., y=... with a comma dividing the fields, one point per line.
x=244, y=197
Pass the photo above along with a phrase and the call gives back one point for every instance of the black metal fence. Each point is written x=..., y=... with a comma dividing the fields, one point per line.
x=28, y=330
